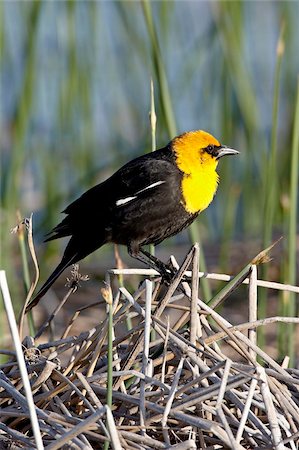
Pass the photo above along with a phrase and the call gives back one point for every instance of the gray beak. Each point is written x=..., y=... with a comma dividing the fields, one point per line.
x=226, y=151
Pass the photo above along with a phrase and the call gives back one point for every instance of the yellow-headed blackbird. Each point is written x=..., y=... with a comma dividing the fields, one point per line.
x=147, y=200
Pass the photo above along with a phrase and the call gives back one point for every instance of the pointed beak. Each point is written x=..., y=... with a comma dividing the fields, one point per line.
x=226, y=151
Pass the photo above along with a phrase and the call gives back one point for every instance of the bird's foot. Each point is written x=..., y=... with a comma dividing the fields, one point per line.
x=168, y=272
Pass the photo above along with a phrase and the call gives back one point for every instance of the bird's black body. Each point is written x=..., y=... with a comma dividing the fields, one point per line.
x=95, y=218
x=147, y=200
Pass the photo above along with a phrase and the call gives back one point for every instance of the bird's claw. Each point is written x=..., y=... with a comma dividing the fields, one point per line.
x=169, y=272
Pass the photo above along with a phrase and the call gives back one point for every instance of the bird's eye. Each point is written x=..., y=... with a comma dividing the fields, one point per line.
x=210, y=148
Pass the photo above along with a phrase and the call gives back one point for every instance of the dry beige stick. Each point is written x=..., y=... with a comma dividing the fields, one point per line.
x=207, y=327
x=246, y=410
x=209, y=361
x=89, y=390
x=88, y=346
x=73, y=386
x=256, y=421
x=223, y=384
x=48, y=321
x=82, y=427
x=207, y=393
x=70, y=324
x=114, y=437
x=169, y=356
x=127, y=374
x=185, y=347
x=170, y=400
x=187, y=445
x=102, y=337
x=174, y=284
x=175, y=306
x=239, y=346
x=182, y=321
x=131, y=359
x=285, y=401
x=124, y=337
x=194, y=295
x=233, y=443
x=56, y=402
x=29, y=401
x=234, y=421
x=285, y=362
x=252, y=308
x=68, y=417
x=144, y=440
x=194, y=322
x=163, y=368
x=21, y=400
x=271, y=412
x=145, y=355
x=197, y=422
x=201, y=440
x=139, y=342
x=179, y=342
x=291, y=439
x=65, y=343
x=262, y=429
x=210, y=276
x=244, y=339
x=28, y=224
x=280, y=377
x=198, y=380
x=187, y=419
x=17, y=436
x=44, y=375
x=247, y=326
x=120, y=312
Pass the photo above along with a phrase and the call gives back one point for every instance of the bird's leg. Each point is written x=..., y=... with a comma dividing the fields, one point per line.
x=166, y=271
x=150, y=260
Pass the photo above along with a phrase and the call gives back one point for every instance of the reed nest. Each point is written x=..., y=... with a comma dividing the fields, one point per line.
x=155, y=384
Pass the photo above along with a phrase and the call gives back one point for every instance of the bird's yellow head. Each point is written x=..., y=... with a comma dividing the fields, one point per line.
x=197, y=154
x=198, y=150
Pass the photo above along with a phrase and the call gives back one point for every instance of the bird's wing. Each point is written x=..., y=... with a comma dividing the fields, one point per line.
x=150, y=176
x=134, y=180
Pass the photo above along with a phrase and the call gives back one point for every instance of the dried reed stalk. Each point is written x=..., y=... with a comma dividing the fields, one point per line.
x=174, y=388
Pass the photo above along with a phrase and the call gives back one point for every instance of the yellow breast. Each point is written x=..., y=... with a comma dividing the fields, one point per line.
x=198, y=189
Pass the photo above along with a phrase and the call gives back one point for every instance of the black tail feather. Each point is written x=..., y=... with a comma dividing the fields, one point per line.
x=63, y=229
x=46, y=286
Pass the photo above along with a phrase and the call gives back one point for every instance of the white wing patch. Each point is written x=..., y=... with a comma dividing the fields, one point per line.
x=151, y=186
x=124, y=201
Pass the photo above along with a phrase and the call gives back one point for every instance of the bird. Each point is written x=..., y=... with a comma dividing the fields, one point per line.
x=149, y=199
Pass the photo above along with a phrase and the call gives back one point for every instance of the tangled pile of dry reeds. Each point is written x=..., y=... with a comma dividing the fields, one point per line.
x=155, y=385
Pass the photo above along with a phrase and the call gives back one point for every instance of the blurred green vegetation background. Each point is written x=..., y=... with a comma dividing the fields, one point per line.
x=75, y=101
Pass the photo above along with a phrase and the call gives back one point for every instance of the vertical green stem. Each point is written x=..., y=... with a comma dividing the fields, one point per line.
x=271, y=180
x=270, y=192
x=153, y=121
x=289, y=299
x=294, y=195
x=166, y=102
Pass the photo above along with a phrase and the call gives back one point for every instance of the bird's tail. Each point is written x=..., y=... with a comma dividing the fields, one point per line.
x=46, y=286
